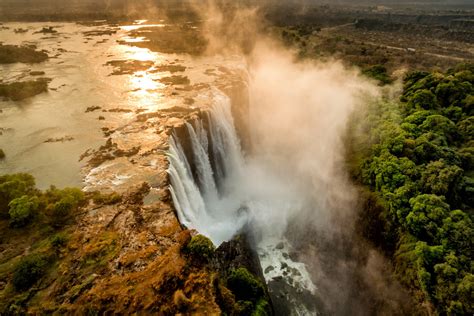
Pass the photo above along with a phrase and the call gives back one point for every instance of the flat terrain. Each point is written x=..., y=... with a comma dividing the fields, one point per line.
x=366, y=36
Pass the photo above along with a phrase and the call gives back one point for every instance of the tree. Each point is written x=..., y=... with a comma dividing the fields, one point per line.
x=28, y=271
x=458, y=233
x=440, y=178
x=14, y=186
x=466, y=128
x=423, y=99
x=452, y=92
x=440, y=125
x=426, y=217
x=22, y=210
x=62, y=203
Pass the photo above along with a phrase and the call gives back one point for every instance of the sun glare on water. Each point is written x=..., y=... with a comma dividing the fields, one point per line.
x=143, y=80
x=141, y=54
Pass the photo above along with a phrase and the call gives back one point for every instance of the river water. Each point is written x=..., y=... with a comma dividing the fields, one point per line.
x=47, y=134
x=80, y=79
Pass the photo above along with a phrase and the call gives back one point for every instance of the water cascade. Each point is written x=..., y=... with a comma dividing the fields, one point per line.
x=199, y=203
x=218, y=192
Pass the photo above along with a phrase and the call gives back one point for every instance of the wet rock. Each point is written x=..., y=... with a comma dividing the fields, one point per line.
x=20, y=30
x=109, y=151
x=92, y=108
x=238, y=253
x=5, y=130
x=169, y=68
x=127, y=67
x=17, y=91
x=37, y=73
x=47, y=30
x=175, y=80
x=20, y=54
x=59, y=139
x=99, y=32
x=280, y=246
x=268, y=269
x=118, y=110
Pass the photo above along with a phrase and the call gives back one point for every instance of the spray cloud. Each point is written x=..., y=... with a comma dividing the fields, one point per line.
x=292, y=181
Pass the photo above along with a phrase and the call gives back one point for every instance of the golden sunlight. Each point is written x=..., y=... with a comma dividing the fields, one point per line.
x=143, y=81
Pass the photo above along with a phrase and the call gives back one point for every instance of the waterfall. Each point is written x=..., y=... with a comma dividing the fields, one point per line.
x=198, y=202
x=223, y=192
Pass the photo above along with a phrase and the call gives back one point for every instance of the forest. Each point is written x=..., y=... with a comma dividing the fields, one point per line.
x=416, y=158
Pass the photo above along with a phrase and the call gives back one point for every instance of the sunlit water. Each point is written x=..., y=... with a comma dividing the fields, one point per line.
x=80, y=79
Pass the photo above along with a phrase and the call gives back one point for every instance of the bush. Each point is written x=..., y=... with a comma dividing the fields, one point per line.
x=379, y=73
x=22, y=210
x=2, y=154
x=62, y=203
x=28, y=271
x=201, y=247
x=244, y=285
x=58, y=241
x=262, y=308
x=13, y=186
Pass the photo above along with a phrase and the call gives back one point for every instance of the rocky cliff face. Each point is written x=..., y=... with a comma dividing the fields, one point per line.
x=129, y=257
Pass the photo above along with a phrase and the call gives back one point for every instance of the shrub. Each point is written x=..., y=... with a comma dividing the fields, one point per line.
x=262, y=308
x=62, y=203
x=22, y=210
x=58, y=241
x=61, y=211
x=378, y=72
x=201, y=247
x=244, y=285
x=13, y=186
x=28, y=271
x=2, y=154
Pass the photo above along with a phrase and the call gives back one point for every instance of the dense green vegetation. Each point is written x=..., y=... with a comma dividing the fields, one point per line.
x=36, y=228
x=201, y=247
x=22, y=203
x=238, y=291
x=379, y=73
x=417, y=156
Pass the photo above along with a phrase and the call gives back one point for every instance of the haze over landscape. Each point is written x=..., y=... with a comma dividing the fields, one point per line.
x=245, y=157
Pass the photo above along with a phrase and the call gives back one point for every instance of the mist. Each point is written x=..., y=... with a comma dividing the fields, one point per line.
x=290, y=186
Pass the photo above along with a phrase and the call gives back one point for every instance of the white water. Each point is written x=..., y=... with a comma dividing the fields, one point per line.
x=247, y=193
x=198, y=203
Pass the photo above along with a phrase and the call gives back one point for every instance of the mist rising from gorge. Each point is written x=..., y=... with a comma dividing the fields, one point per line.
x=293, y=183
